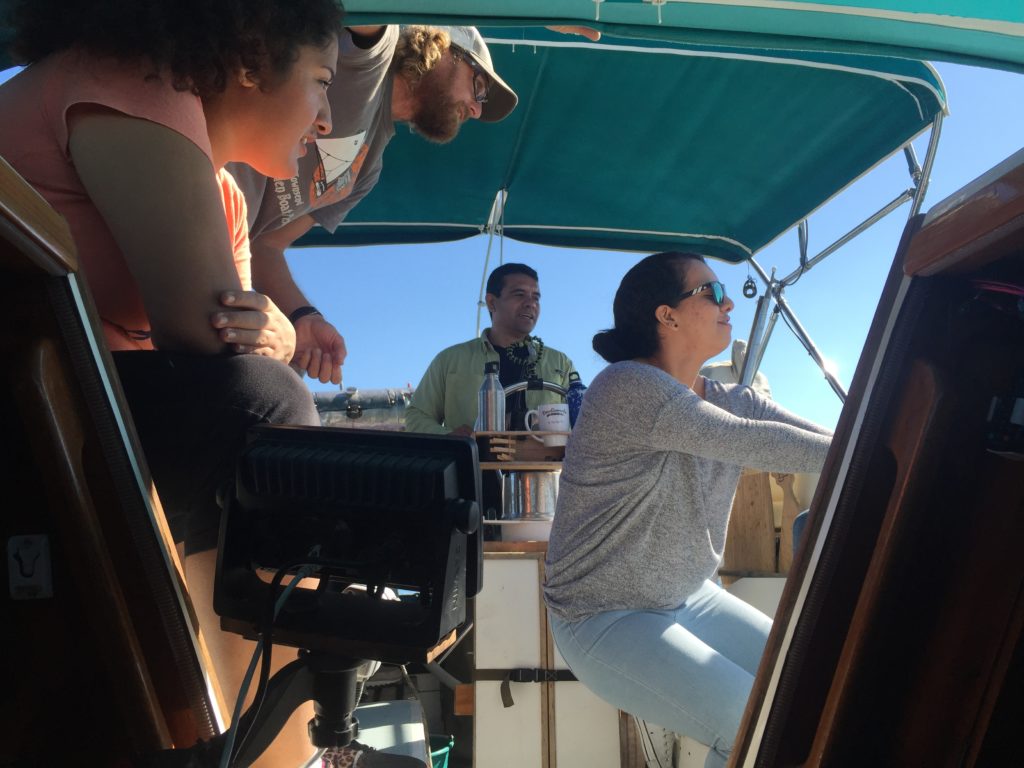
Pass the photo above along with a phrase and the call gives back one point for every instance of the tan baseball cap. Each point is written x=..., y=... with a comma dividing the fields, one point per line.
x=502, y=99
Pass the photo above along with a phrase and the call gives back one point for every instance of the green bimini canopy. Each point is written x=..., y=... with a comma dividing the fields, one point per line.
x=988, y=33
x=641, y=146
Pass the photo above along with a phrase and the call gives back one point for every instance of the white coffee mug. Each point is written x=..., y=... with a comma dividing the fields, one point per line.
x=553, y=417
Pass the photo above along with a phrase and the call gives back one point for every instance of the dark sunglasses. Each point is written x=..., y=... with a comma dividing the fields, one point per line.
x=717, y=294
x=481, y=80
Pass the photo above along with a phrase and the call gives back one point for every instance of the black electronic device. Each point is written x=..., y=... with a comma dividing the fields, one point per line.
x=370, y=508
x=356, y=511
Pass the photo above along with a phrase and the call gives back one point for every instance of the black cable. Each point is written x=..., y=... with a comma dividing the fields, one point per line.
x=251, y=715
x=266, y=635
x=804, y=240
x=803, y=269
x=793, y=331
x=788, y=325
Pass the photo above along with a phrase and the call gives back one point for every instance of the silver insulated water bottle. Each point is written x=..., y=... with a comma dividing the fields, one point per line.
x=490, y=414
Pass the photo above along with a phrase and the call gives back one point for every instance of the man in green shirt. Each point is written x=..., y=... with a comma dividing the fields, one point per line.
x=445, y=400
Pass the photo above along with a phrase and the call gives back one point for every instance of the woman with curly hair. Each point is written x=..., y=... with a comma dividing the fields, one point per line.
x=122, y=114
x=647, y=484
x=125, y=116
x=122, y=121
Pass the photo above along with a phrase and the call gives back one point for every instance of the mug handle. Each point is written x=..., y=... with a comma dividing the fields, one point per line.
x=526, y=422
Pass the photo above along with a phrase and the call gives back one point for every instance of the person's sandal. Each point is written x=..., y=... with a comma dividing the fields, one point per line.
x=357, y=755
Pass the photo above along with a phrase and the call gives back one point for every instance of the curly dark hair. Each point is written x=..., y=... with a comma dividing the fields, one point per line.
x=656, y=280
x=419, y=50
x=199, y=42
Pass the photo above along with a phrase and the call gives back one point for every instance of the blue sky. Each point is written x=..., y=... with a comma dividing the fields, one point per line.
x=398, y=306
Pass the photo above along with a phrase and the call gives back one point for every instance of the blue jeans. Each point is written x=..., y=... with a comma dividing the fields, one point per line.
x=689, y=669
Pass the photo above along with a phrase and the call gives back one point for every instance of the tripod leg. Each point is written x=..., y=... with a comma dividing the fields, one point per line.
x=330, y=681
x=286, y=690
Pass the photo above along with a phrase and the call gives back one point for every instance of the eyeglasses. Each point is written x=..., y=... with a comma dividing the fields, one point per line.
x=717, y=294
x=481, y=80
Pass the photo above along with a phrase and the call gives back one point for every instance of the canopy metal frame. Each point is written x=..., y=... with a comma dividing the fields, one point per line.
x=494, y=224
x=773, y=303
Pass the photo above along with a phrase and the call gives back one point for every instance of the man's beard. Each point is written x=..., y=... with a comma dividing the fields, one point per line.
x=437, y=116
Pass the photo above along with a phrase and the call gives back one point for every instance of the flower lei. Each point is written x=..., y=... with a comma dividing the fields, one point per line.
x=528, y=352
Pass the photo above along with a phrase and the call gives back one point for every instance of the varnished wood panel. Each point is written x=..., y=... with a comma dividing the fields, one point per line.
x=109, y=660
x=975, y=226
x=464, y=700
x=899, y=636
x=42, y=236
x=802, y=682
x=908, y=441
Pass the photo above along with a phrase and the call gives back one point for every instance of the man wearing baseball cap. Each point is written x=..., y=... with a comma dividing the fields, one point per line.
x=432, y=78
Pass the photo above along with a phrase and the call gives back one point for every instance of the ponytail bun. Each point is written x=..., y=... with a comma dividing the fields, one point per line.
x=608, y=344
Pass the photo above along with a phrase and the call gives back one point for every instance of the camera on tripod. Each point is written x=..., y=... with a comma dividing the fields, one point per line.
x=348, y=508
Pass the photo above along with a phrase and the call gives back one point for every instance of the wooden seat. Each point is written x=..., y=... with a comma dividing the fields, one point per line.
x=110, y=663
x=750, y=544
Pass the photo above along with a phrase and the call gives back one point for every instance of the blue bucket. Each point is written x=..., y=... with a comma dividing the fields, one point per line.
x=440, y=746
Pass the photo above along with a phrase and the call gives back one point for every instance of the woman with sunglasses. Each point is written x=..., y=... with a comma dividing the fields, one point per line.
x=646, y=488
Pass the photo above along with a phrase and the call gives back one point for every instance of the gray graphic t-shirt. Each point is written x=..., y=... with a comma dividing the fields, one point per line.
x=345, y=165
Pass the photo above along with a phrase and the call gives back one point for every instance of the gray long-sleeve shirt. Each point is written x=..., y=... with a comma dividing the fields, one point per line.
x=648, y=482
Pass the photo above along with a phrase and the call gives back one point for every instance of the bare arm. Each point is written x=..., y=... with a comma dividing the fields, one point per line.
x=320, y=349
x=252, y=324
x=158, y=194
x=270, y=272
x=591, y=34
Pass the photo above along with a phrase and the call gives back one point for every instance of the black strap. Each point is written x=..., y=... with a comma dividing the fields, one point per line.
x=522, y=675
x=295, y=314
x=132, y=333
